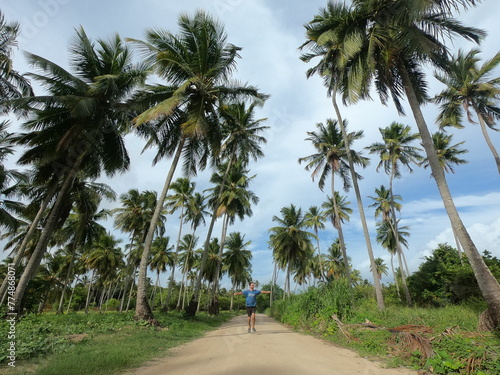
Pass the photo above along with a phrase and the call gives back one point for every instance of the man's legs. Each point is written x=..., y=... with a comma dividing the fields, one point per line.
x=253, y=321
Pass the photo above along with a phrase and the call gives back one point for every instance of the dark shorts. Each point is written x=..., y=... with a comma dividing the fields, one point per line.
x=251, y=310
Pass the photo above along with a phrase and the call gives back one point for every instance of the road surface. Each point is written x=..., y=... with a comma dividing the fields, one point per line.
x=274, y=349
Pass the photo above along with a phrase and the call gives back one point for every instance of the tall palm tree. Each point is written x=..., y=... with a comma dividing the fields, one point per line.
x=237, y=260
x=197, y=65
x=105, y=258
x=187, y=259
x=78, y=126
x=412, y=34
x=12, y=84
x=183, y=189
x=396, y=151
x=231, y=198
x=315, y=219
x=289, y=241
x=332, y=158
x=242, y=143
x=82, y=227
x=469, y=87
x=162, y=256
x=333, y=50
x=386, y=237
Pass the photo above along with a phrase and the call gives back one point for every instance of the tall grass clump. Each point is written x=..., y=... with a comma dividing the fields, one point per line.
x=317, y=304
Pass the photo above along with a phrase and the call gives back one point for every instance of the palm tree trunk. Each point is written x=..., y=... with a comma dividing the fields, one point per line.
x=490, y=288
x=337, y=224
x=88, y=293
x=33, y=227
x=142, y=309
x=395, y=231
x=219, y=261
x=354, y=177
x=171, y=283
x=36, y=257
x=487, y=138
x=190, y=311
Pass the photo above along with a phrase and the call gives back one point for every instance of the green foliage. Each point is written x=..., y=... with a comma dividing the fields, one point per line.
x=114, y=341
x=445, y=279
x=318, y=303
x=452, y=329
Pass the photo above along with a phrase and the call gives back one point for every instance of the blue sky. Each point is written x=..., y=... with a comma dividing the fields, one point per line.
x=270, y=33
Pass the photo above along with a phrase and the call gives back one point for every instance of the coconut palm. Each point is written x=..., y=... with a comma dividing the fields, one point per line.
x=325, y=40
x=197, y=65
x=314, y=219
x=12, y=84
x=105, y=258
x=187, y=260
x=231, y=198
x=183, y=189
x=468, y=87
x=331, y=159
x=448, y=156
x=162, y=256
x=289, y=241
x=412, y=34
x=395, y=152
x=447, y=153
x=78, y=126
x=381, y=267
x=237, y=260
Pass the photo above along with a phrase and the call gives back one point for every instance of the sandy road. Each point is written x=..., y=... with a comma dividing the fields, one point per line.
x=273, y=349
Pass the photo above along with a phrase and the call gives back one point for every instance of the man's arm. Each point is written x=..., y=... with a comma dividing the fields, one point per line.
x=265, y=292
x=238, y=293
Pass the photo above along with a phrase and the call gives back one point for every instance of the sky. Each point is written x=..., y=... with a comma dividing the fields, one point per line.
x=270, y=33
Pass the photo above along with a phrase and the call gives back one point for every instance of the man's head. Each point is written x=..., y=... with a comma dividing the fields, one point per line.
x=252, y=286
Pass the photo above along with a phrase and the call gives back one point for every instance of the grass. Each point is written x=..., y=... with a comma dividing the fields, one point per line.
x=113, y=342
x=456, y=347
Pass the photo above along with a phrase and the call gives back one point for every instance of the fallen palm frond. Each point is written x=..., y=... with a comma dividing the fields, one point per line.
x=409, y=336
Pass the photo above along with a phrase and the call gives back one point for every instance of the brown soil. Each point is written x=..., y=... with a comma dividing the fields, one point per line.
x=274, y=349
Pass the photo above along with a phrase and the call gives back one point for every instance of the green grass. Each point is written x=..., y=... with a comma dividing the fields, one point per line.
x=114, y=343
x=451, y=332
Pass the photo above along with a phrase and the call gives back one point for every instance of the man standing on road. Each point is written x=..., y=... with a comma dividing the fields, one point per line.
x=251, y=304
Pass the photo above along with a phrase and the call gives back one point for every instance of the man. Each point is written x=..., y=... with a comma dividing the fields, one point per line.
x=251, y=304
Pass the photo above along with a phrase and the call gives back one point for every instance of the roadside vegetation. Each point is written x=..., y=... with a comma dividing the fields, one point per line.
x=98, y=343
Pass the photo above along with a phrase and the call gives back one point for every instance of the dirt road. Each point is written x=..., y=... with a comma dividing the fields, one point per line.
x=273, y=349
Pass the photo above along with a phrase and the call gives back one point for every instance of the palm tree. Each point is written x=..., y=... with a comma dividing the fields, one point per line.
x=333, y=51
x=162, y=256
x=231, y=198
x=448, y=156
x=10, y=181
x=12, y=84
x=314, y=219
x=78, y=126
x=197, y=64
x=82, y=227
x=183, y=189
x=447, y=153
x=469, y=87
x=105, y=258
x=386, y=237
x=330, y=158
x=290, y=243
x=237, y=260
x=412, y=34
x=396, y=151
x=187, y=259
x=381, y=267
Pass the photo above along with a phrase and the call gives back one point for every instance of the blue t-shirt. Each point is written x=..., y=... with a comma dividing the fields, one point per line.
x=251, y=297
